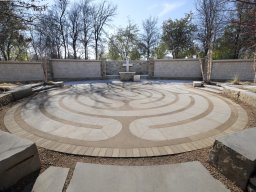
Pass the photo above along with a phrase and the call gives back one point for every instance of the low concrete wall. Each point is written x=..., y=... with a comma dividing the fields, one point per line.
x=244, y=96
x=177, y=69
x=21, y=71
x=228, y=69
x=75, y=69
x=114, y=67
x=164, y=69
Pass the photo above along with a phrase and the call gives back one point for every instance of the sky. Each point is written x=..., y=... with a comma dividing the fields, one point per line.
x=139, y=10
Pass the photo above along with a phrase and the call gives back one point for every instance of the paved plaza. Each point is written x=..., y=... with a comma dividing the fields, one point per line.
x=125, y=119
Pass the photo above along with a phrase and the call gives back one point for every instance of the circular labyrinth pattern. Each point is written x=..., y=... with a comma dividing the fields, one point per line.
x=125, y=119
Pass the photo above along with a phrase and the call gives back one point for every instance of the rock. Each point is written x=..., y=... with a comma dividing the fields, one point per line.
x=252, y=185
x=197, y=83
x=5, y=99
x=18, y=158
x=235, y=156
x=56, y=84
x=52, y=179
x=183, y=177
x=21, y=92
x=136, y=78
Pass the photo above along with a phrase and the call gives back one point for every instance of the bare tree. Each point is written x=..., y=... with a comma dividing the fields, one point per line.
x=87, y=25
x=61, y=11
x=245, y=21
x=101, y=15
x=48, y=34
x=211, y=17
x=150, y=36
x=74, y=16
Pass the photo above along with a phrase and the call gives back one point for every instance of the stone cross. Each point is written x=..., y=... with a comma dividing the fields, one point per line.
x=127, y=65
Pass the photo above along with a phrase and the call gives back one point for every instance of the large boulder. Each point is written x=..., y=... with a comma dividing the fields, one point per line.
x=18, y=158
x=21, y=92
x=235, y=156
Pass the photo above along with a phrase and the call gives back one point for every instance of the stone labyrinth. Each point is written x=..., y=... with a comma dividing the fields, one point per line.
x=125, y=119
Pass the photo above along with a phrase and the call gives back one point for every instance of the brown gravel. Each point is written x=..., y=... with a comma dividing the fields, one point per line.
x=51, y=158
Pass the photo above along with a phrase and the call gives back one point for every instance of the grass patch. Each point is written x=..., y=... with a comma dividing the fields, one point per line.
x=235, y=81
x=252, y=90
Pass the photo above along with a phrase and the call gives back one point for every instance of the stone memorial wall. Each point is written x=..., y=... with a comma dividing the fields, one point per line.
x=188, y=69
x=228, y=69
x=114, y=67
x=177, y=69
x=21, y=71
x=75, y=69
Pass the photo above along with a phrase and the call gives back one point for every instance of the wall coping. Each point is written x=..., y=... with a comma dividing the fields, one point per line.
x=20, y=62
x=74, y=60
x=168, y=60
x=156, y=60
x=233, y=60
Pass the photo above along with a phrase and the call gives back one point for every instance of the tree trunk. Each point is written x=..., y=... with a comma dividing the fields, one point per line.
x=74, y=49
x=203, y=68
x=96, y=49
x=209, y=65
x=45, y=69
x=254, y=66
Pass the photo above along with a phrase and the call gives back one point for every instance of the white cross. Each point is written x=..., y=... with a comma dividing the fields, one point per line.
x=127, y=65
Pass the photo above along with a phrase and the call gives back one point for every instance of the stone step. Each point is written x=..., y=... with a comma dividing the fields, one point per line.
x=235, y=156
x=43, y=88
x=210, y=90
x=52, y=179
x=214, y=87
x=184, y=177
x=18, y=158
x=36, y=84
x=198, y=83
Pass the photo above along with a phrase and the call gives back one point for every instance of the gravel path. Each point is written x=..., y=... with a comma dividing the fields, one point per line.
x=50, y=158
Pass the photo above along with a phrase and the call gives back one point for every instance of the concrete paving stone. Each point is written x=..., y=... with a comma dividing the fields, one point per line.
x=96, y=151
x=168, y=149
x=162, y=151
x=102, y=152
x=115, y=152
x=51, y=180
x=83, y=150
x=89, y=151
x=109, y=152
x=155, y=151
x=122, y=152
x=18, y=158
x=191, y=176
x=235, y=156
x=136, y=152
x=149, y=152
x=129, y=152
